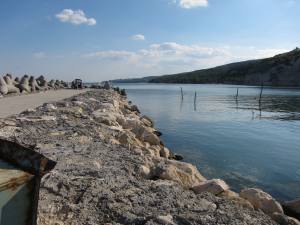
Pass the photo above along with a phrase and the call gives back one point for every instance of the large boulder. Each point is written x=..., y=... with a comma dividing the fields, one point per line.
x=233, y=196
x=17, y=80
x=42, y=82
x=24, y=84
x=215, y=186
x=3, y=86
x=128, y=139
x=292, y=208
x=261, y=200
x=132, y=124
x=107, y=85
x=52, y=85
x=150, y=137
x=107, y=118
x=147, y=121
x=145, y=134
x=165, y=152
x=58, y=84
x=34, y=85
x=11, y=88
x=183, y=173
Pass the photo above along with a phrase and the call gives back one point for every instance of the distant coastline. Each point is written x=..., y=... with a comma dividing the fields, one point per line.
x=279, y=71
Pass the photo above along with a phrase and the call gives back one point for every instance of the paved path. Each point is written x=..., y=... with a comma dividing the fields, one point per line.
x=16, y=104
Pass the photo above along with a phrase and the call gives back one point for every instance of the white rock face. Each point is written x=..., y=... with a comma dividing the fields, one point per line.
x=215, y=186
x=261, y=200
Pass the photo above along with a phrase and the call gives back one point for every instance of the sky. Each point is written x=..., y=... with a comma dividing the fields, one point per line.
x=99, y=40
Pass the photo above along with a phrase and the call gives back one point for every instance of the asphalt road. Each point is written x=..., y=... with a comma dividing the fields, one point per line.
x=12, y=105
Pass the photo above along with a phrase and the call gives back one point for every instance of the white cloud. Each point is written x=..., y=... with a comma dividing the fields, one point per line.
x=166, y=54
x=171, y=57
x=138, y=37
x=188, y=4
x=76, y=17
x=110, y=55
x=39, y=55
x=156, y=59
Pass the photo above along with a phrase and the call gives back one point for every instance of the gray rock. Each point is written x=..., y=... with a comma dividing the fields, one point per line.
x=215, y=186
x=3, y=86
x=107, y=85
x=11, y=88
x=24, y=84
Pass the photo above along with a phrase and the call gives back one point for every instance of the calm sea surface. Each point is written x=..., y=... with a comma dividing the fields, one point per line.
x=239, y=141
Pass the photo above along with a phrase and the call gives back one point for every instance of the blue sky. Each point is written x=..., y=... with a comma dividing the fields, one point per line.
x=107, y=39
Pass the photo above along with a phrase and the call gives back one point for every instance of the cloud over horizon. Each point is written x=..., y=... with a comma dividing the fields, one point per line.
x=76, y=17
x=172, y=57
x=188, y=4
x=138, y=37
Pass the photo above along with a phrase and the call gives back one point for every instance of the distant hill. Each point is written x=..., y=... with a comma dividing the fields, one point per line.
x=134, y=80
x=280, y=70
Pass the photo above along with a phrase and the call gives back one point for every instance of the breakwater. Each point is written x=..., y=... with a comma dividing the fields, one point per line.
x=112, y=168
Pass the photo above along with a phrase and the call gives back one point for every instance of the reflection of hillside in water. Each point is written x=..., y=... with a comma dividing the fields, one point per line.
x=282, y=107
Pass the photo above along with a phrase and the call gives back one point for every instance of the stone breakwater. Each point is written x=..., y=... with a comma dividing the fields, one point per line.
x=28, y=84
x=112, y=168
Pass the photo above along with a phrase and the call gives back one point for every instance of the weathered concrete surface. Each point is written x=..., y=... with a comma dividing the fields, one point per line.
x=16, y=104
x=99, y=181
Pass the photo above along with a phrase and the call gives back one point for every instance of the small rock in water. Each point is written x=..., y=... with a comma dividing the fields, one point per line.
x=177, y=157
x=158, y=133
x=285, y=220
x=292, y=208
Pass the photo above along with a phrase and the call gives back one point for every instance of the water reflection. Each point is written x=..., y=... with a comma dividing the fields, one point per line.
x=283, y=107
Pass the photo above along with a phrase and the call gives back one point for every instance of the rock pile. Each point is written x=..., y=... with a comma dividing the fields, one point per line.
x=113, y=169
x=27, y=84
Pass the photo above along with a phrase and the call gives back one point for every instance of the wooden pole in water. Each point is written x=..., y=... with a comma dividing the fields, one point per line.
x=195, y=100
x=237, y=93
x=260, y=97
x=261, y=92
x=181, y=93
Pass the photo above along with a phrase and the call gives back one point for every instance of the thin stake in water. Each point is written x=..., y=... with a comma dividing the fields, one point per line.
x=181, y=93
x=195, y=100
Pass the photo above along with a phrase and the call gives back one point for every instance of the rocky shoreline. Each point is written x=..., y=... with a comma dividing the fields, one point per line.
x=112, y=168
